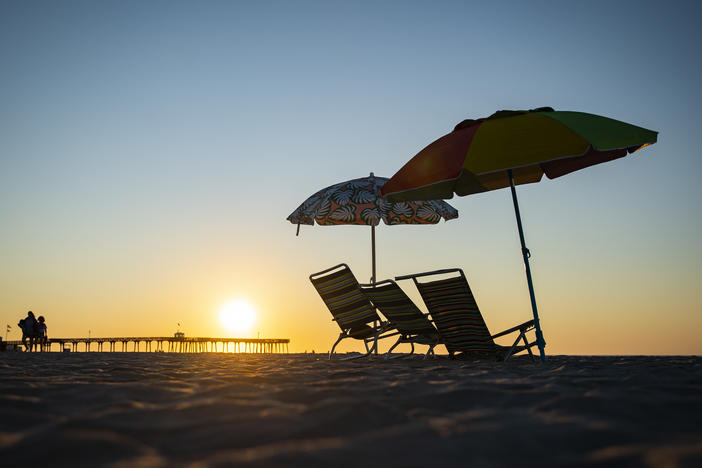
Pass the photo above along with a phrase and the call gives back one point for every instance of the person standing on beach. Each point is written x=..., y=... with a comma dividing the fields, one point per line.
x=41, y=333
x=28, y=326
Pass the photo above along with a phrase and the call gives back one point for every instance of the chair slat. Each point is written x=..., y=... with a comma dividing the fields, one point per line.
x=456, y=315
x=343, y=297
x=399, y=309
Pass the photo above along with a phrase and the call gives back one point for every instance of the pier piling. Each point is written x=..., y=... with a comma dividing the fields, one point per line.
x=178, y=344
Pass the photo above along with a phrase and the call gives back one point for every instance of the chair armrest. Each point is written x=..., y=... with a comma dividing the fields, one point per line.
x=523, y=327
x=429, y=273
x=383, y=325
x=377, y=283
x=386, y=329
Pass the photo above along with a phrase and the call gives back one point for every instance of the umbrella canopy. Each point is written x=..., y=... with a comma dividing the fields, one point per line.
x=477, y=155
x=358, y=201
x=511, y=148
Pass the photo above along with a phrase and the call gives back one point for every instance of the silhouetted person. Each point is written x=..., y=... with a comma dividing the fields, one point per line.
x=41, y=333
x=28, y=326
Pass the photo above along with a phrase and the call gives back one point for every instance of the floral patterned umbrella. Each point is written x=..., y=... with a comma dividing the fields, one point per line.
x=358, y=201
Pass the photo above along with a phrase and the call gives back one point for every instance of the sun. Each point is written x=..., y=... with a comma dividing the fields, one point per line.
x=237, y=316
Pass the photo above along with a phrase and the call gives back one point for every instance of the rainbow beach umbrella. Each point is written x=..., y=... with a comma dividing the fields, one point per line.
x=514, y=147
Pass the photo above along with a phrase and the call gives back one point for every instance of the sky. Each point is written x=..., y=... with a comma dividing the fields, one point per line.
x=151, y=151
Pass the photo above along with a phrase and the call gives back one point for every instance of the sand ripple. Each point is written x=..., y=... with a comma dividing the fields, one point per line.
x=152, y=410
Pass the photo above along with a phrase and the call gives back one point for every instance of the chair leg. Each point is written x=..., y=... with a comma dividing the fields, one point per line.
x=374, y=347
x=376, y=325
x=526, y=343
x=368, y=354
x=341, y=337
x=429, y=351
x=349, y=358
x=399, y=340
x=511, y=348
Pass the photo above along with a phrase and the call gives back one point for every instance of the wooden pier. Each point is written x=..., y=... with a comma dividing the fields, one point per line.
x=168, y=344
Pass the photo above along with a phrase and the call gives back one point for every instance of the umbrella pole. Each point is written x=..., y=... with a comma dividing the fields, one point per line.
x=373, y=253
x=525, y=253
x=375, y=324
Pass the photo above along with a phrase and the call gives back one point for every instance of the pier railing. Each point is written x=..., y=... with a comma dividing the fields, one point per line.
x=167, y=344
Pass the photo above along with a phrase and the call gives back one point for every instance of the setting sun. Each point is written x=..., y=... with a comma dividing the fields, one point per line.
x=237, y=316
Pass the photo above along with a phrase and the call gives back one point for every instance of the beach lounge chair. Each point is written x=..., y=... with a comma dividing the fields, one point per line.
x=458, y=319
x=350, y=308
x=413, y=326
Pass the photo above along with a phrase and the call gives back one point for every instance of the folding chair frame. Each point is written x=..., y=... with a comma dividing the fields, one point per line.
x=409, y=338
x=522, y=328
x=379, y=328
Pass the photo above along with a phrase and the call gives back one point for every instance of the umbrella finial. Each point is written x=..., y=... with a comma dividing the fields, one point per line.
x=372, y=175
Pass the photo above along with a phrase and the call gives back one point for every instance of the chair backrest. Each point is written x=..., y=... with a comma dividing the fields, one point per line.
x=399, y=309
x=456, y=314
x=342, y=294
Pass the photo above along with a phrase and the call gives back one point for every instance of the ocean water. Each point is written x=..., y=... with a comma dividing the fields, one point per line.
x=160, y=409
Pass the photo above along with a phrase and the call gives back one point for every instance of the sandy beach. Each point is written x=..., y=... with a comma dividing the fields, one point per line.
x=139, y=409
